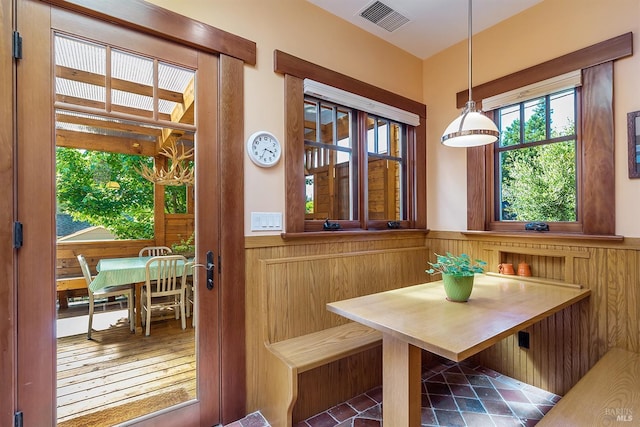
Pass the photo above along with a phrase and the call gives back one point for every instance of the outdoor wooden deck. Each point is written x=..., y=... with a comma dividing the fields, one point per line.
x=117, y=368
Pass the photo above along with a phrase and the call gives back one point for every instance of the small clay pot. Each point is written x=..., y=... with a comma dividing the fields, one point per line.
x=506, y=268
x=524, y=269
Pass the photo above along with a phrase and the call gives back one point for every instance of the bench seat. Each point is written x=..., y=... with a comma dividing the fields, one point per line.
x=609, y=393
x=310, y=351
x=290, y=358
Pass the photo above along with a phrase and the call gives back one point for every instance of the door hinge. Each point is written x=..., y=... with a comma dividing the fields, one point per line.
x=17, y=45
x=17, y=235
x=17, y=419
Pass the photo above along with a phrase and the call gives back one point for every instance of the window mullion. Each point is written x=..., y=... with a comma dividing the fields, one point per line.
x=363, y=173
x=522, y=124
x=547, y=117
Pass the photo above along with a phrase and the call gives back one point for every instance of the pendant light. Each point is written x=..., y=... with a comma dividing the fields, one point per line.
x=471, y=128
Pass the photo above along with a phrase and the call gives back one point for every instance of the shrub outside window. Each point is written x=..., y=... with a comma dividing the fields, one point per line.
x=536, y=167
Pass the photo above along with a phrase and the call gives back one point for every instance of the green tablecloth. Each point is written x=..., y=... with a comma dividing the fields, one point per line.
x=121, y=271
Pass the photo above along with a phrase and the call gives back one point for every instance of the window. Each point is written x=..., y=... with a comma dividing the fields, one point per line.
x=594, y=147
x=535, y=158
x=358, y=159
x=333, y=181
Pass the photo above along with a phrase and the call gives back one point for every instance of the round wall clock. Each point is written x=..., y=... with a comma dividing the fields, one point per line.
x=264, y=149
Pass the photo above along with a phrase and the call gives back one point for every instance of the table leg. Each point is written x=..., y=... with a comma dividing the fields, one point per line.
x=138, y=306
x=401, y=388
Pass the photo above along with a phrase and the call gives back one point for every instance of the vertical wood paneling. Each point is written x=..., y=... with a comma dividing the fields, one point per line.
x=633, y=303
x=563, y=347
x=298, y=279
x=566, y=345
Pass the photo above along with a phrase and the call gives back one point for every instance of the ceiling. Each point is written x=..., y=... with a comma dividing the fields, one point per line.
x=432, y=26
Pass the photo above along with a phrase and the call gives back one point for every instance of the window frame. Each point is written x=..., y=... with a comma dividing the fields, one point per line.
x=359, y=150
x=295, y=70
x=495, y=224
x=597, y=187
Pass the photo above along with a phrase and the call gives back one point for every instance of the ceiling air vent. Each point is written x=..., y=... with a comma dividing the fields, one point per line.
x=383, y=16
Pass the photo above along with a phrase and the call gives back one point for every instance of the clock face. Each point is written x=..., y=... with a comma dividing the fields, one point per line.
x=264, y=149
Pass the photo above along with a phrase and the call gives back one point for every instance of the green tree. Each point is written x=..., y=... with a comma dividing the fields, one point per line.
x=85, y=190
x=538, y=182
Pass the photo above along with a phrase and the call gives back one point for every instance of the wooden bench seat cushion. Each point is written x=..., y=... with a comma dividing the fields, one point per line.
x=310, y=351
x=607, y=395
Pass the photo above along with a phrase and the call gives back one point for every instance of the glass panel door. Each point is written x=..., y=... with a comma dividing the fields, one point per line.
x=125, y=140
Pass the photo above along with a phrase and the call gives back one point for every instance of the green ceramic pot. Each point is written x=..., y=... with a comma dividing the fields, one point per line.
x=457, y=288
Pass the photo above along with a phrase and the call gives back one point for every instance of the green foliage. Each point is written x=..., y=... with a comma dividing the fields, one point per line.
x=456, y=265
x=185, y=247
x=544, y=189
x=175, y=199
x=538, y=183
x=82, y=191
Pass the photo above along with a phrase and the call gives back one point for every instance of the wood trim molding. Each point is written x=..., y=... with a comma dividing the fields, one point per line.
x=420, y=167
x=294, y=149
x=476, y=194
x=598, y=182
x=285, y=63
x=8, y=291
x=232, y=294
x=162, y=23
x=608, y=50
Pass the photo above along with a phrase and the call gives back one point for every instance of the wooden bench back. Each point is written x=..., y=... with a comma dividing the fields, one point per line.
x=295, y=290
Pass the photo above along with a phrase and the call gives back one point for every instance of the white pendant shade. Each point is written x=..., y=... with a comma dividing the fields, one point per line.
x=470, y=129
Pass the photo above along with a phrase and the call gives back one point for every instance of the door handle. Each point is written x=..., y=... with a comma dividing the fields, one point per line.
x=210, y=267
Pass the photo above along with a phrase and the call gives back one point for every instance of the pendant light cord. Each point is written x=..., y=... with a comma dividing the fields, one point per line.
x=470, y=49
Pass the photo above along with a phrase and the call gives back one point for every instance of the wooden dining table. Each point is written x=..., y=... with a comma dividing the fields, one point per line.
x=123, y=271
x=420, y=317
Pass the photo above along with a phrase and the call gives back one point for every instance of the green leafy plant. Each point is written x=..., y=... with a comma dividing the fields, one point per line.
x=461, y=265
x=185, y=246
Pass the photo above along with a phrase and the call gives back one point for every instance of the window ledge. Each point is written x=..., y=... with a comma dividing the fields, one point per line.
x=545, y=235
x=351, y=233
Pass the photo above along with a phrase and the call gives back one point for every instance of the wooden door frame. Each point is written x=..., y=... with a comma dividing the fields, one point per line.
x=7, y=216
x=234, y=52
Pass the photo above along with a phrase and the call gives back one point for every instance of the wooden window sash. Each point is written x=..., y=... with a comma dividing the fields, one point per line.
x=295, y=70
x=596, y=195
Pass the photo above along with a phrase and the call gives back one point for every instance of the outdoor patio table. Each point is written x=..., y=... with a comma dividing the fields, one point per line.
x=123, y=271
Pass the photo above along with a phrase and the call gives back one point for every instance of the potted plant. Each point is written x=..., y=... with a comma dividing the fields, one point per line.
x=185, y=247
x=457, y=274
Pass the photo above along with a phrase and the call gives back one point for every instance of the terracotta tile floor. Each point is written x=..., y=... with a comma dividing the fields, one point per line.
x=453, y=394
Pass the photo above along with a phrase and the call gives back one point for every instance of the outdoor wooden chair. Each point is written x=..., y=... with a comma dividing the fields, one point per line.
x=105, y=293
x=162, y=281
x=154, y=251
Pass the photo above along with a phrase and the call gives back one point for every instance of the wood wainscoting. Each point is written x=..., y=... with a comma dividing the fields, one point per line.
x=566, y=345
x=312, y=272
x=562, y=348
